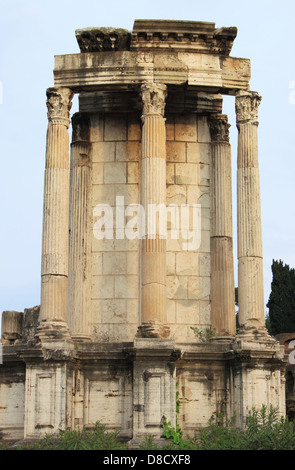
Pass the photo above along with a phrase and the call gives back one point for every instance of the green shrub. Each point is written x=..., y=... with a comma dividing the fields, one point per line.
x=221, y=434
x=265, y=430
x=86, y=439
x=89, y=439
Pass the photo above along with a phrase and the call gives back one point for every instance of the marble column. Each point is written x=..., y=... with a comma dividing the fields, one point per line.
x=54, y=270
x=250, y=269
x=153, y=195
x=222, y=268
x=80, y=230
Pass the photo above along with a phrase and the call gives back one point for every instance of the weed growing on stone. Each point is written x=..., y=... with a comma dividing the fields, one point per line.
x=205, y=335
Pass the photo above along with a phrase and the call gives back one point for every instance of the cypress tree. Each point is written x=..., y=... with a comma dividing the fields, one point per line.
x=281, y=303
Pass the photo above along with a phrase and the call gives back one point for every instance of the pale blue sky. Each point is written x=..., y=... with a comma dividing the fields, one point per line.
x=32, y=32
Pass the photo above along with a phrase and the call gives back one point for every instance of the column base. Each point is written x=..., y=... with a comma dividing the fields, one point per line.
x=254, y=334
x=54, y=335
x=81, y=338
x=226, y=339
x=153, y=330
x=253, y=339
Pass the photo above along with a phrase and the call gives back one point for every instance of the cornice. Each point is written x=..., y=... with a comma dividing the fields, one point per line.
x=189, y=36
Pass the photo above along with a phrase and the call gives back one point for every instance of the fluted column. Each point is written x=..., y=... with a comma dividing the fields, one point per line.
x=222, y=269
x=54, y=271
x=153, y=195
x=79, y=242
x=250, y=270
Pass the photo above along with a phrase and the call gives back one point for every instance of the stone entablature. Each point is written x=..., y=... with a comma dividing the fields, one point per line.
x=98, y=70
x=172, y=52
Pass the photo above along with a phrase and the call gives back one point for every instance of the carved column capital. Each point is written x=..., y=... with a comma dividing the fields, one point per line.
x=59, y=103
x=219, y=128
x=153, y=96
x=247, y=103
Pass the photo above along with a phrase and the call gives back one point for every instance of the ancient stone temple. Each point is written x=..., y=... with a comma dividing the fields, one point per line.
x=137, y=281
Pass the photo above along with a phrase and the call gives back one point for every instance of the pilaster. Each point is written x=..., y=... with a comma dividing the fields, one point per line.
x=47, y=392
x=257, y=375
x=222, y=270
x=80, y=230
x=154, y=387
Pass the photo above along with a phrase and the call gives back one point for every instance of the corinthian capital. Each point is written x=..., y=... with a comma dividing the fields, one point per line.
x=219, y=128
x=247, y=103
x=59, y=103
x=153, y=96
